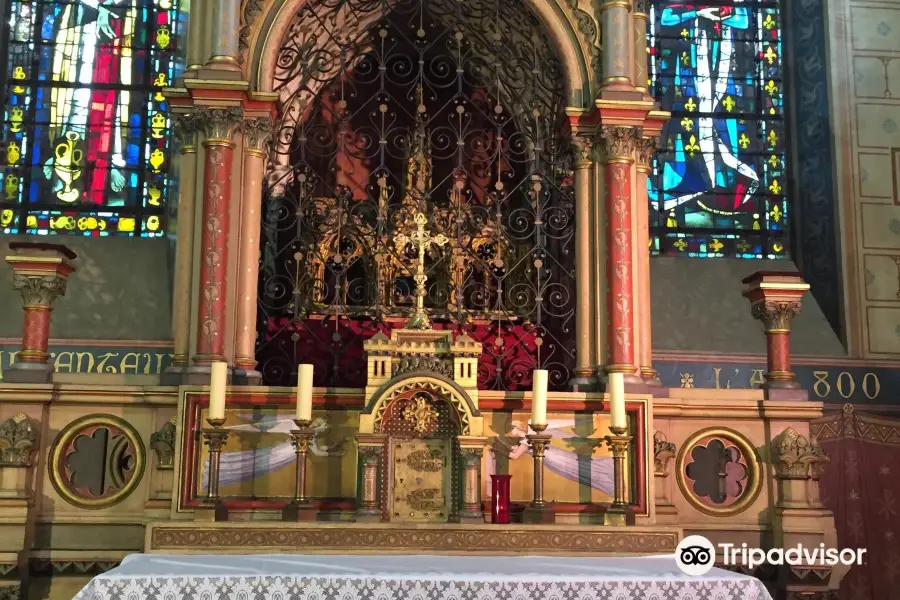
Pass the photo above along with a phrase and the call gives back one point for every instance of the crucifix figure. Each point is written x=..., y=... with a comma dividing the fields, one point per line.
x=421, y=240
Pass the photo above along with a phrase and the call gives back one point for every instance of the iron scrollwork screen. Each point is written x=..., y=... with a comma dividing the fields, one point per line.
x=451, y=108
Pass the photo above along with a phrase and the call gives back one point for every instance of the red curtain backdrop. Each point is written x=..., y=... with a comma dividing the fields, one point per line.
x=862, y=486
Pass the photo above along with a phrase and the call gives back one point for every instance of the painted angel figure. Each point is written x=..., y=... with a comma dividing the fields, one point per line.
x=249, y=464
x=93, y=65
x=712, y=54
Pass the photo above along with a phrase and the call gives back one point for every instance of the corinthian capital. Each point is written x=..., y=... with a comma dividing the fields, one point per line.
x=776, y=315
x=584, y=150
x=646, y=148
x=39, y=290
x=641, y=7
x=258, y=133
x=186, y=128
x=218, y=123
x=619, y=143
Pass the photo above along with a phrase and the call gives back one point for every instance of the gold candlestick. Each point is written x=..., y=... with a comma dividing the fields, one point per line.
x=618, y=442
x=212, y=508
x=301, y=509
x=538, y=511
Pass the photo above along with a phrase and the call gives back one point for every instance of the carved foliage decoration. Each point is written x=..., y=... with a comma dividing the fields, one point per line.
x=163, y=444
x=414, y=364
x=218, y=123
x=17, y=441
x=250, y=10
x=663, y=452
x=96, y=461
x=776, y=314
x=797, y=457
x=39, y=290
x=619, y=143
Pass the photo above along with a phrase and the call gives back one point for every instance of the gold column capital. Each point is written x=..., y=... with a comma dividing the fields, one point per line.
x=219, y=123
x=186, y=129
x=646, y=149
x=257, y=134
x=642, y=8
x=619, y=143
x=584, y=149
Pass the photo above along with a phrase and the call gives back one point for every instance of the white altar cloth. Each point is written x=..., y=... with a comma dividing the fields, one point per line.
x=417, y=577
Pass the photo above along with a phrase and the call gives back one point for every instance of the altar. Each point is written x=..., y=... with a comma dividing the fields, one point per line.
x=420, y=577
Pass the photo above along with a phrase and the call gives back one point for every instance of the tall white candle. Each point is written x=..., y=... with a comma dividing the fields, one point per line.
x=616, y=391
x=304, y=392
x=539, y=398
x=218, y=379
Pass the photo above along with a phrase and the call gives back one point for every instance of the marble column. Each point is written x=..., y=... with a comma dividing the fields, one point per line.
x=618, y=146
x=219, y=124
x=646, y=148
x=640, y=18
x=616, y=27
x=40, y=274
x=584, y=379
x=256, y=135
x=186, y=132
x=225, y=27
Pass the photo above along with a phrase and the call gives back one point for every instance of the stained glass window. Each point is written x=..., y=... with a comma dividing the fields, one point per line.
x=717, y=185
x=86, y=136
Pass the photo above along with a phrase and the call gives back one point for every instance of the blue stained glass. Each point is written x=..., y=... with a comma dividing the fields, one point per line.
x=83, y=112
x=717, y=184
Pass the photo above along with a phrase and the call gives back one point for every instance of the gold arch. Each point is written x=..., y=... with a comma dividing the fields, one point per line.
x=272, y=25
x=470, y=420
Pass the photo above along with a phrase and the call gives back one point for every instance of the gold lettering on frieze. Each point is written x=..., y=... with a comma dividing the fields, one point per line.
x=86, y=361
x=718, y=372
x=821, y=387
x=757, y=378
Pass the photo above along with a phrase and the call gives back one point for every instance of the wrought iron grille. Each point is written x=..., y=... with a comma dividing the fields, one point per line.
x=388, y=109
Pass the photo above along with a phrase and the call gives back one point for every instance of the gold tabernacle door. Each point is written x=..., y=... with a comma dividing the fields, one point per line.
x=421, y=488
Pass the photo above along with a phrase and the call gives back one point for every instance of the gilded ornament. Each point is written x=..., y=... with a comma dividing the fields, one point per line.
x=258, y=133
x=421, y=414
x=797, y=457
x=663, y=452
x=17, y=441
x=219, y=124
x=186, y=127
x=646, y=150
x=163, y=444
x=416, y=364
x=584, y=148
x=431, y=499
x=250, y=10
x=429, y=461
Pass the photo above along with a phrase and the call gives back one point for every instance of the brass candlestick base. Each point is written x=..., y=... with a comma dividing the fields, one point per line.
x=300, y=508
x=618, y=443
x=538, y=511
x=212, y=508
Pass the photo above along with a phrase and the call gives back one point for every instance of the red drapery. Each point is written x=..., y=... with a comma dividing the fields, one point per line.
x=861, y=486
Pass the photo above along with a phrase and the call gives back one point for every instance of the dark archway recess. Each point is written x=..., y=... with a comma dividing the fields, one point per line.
x=390, y=109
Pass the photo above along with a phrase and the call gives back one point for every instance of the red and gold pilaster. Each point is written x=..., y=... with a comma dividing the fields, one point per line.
x=618, y=145
x=220, y=125
x=775, y=298
x=40, y=275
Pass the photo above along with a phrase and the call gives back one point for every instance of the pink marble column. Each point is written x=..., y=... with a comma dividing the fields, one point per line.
x=256, y=135
x=220, y=124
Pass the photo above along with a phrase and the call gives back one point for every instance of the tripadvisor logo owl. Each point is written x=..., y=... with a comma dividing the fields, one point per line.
x=695, y=556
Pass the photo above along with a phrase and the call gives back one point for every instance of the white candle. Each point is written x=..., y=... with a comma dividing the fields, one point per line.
x=616, y=391
x=539, y=398
x=304, y=392
x=218, y=379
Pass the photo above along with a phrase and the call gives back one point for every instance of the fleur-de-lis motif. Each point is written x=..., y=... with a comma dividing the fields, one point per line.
x=728, y=103
x=685, y=58
x=692, y=147
x=744, y=141
x=775, y=188
x=775, y=213
x=772, y=138
x=687, y=124
x=690, y=105
x=685, y=33
x=743, y=246
x=771, y=87
x=769, y=23
x=681, y=245
x=716, y=245
x=770, y=55
x=774, y=161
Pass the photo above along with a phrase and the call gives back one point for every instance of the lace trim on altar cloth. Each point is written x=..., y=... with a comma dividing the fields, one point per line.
x=341, y=588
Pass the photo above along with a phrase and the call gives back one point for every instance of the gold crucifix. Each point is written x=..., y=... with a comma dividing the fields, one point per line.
x=421, y=240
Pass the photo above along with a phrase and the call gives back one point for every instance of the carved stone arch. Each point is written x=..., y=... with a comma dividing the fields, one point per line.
x=470, y=419
x=264, y=27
